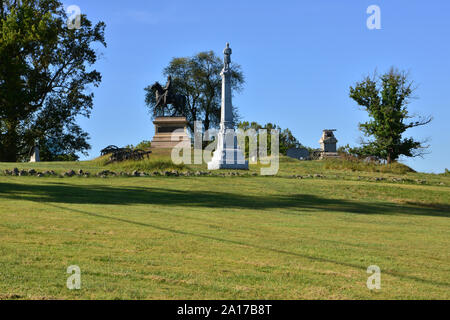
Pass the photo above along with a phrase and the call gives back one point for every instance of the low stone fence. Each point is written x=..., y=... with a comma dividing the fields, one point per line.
x=107, y=173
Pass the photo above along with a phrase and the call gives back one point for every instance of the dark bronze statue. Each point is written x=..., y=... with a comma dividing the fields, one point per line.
x=227, y=57
x=166, y=96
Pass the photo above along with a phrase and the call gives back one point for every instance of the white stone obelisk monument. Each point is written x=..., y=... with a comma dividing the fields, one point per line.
x=35, y=155
x=228, y=155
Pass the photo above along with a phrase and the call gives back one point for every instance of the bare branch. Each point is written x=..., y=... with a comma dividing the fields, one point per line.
x=422, y=122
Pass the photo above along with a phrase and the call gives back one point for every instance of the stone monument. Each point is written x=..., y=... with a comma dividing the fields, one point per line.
x=35, y=153
x=328, y=144
x=228, y=155
x=170, y=132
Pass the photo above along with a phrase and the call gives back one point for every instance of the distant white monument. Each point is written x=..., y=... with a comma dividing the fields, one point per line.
x=35, y=154
x=228, y=155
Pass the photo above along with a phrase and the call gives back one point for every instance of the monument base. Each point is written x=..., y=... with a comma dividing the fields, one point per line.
x=222, y=163
x=329, y=155
x=170, y=132
x=170, y=141
x=228, y=158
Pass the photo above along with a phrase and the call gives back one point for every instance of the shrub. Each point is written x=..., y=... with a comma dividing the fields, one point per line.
x=143, y=145
x=147, y=165
x=354, y=164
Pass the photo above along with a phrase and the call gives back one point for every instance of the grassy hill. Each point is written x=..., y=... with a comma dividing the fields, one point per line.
x=309, y=233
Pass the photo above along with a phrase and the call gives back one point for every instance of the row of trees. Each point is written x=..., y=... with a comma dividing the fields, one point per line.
x=45, y=76
x=287, y=139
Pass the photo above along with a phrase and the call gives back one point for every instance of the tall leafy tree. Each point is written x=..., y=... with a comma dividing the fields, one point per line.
x=198, y=79
x=385, y=98
x=45, y=77
x=287, y=139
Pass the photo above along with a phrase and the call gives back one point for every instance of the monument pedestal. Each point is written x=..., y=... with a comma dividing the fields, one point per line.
x=329, y=155
x=228, y=155
x=170, y=132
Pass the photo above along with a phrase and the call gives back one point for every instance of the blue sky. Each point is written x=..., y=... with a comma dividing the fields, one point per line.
x=299, y=59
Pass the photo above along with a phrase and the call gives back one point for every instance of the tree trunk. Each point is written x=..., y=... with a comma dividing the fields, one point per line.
x=9, y=152
x=2, y=10
x=207, y=122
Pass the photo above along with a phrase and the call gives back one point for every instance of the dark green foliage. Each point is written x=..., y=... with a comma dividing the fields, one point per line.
x=198, y=79
x=62, y=147
x=143, y=145
x=63, y=157
x=385, y=98
x=44, y=79
x=287, y=139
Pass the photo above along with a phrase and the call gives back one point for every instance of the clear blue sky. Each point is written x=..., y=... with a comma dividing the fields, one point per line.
x=299, y=59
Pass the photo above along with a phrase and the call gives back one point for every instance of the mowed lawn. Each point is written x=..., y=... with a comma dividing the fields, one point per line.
x=222, y=238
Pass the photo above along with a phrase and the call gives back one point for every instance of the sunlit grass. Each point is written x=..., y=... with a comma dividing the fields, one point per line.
x=308, y=233
x=222, y=238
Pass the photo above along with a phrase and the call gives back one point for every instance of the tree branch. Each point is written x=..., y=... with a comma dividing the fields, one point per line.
x=419, y=123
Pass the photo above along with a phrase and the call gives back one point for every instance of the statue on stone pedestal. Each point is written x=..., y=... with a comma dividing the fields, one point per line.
x=165, y=96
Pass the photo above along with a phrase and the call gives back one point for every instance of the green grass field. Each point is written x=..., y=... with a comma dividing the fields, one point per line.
x=225, y=237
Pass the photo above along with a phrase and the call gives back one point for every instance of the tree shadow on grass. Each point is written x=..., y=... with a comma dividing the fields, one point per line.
x=104, y=195
x=55, y=195
x=250, y=245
